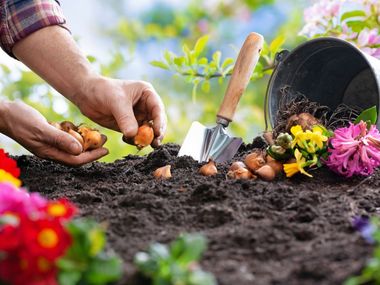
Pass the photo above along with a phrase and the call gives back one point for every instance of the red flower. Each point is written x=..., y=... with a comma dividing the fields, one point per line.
x=61, y=208
x=45, y=238
x=8, y=164
x=20, y=268
x=10, y=238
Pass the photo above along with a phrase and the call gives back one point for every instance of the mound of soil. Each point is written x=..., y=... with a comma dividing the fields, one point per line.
x=290, y=231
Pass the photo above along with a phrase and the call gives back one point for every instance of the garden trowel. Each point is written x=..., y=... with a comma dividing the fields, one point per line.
x=204, y=144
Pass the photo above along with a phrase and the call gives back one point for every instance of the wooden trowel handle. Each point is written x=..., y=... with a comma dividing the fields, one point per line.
x=245, y=64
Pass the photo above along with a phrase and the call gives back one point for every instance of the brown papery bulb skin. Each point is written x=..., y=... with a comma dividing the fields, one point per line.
x=266, y=173
x=208, y=169
x=254, y=161
x=77, y=136
x=305, y=120
x=145, y=135
x=163, y=172
x=276, y=165
x=236, y=165
x=241, y=173
x=66, y=126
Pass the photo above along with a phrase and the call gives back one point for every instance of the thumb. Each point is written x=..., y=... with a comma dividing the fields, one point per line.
x=62, y=141
x=125, y=119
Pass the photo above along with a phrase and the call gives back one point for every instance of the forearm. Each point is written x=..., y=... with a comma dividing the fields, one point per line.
x=52, y=53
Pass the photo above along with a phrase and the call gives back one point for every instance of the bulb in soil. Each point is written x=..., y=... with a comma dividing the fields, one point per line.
x=237, y=165
x=77, y=136
x=66, y=126
x=254, y=161
x=241, y=173
x=145, y=135
x=266, y=173
x=92, y=140
x=208, y=169
x=163, y=172
x=305, y=120
x=276, y=165
x=268, y=136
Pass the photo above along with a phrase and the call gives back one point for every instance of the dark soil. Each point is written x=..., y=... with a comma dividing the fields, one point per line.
x=290, y=231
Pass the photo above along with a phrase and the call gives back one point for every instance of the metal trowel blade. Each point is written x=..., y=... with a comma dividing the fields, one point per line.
x=225, y=148
x=202, y=144
x=193, y=143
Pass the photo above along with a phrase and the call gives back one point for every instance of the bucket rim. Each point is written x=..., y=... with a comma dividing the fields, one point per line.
x=268, y=112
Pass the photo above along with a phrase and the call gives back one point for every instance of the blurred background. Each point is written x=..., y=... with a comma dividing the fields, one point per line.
x=122, y=38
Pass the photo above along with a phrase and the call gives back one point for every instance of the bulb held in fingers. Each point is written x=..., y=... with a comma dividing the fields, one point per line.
x=208, y=169
x=66, y=126
x=77, y=136
x=92, y=140
x=56, y=125
x=163, y=172
x=145, y=135
x=83, y=130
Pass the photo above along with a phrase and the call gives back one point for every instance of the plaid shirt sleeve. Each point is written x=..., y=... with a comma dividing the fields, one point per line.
x=20, y=18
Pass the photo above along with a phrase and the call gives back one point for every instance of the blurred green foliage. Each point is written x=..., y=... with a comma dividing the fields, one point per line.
x=175, y=264
x=208, y=49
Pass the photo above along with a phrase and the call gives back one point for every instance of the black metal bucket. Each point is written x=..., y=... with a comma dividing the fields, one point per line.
x=329, y=71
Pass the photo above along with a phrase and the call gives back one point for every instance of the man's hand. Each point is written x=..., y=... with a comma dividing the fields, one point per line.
x=120, y=105
x=29, y=128
x=123, y=105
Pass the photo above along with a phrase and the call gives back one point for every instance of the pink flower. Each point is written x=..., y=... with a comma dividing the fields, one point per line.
x=368, y=37
x=355, y=150
x=19, y=201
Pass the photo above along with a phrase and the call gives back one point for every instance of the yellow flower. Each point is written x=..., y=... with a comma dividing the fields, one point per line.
x=7, y=177
x=318, y=138
x=311, y=141
x=298, y=135
x=293, y=168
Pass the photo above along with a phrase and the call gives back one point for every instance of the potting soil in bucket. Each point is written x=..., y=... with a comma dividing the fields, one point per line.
x=328, y=71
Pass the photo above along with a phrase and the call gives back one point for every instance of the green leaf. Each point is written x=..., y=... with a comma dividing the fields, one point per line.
x=203, y=61
x=69, y=277
x=104, y=270
x=179, y=61
x=66, y=264
x=168, y=55
x=352, y=14
x=216, y=58
x=228, y=61
x=186, y=51
x=200, y=277
x=277, y=43
x=159, y=64
x=195, y=89
x=188, y=248
x=97, y=239
x=201, y=44
x=368, y=115
x=91, y=58
x=356, y=26
x=206, y=86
